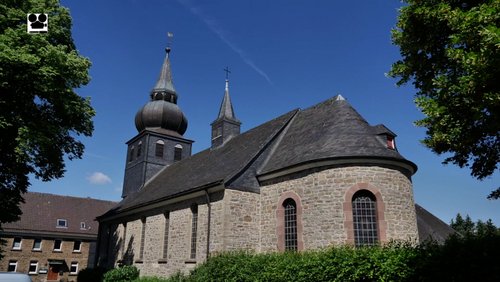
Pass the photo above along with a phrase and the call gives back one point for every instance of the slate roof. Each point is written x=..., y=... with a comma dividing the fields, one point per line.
x=226, y=110
x=430, y=227
x=41, y=211
x=210, y=166
x=331, y=129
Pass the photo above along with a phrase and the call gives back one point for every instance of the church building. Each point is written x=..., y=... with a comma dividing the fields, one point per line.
x=308, y=179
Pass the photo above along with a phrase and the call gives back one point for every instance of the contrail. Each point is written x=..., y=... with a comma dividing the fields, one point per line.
x=214, y=27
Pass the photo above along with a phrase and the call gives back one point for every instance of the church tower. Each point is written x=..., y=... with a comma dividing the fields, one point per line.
x=226, y=125
x=159, y=142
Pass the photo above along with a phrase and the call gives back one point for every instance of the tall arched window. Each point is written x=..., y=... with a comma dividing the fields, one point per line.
x=139, y=149
x=131, y=154
x=177, y=153
x=159, y=148
x=364, y=215
x=194, y=230
x=290, y=221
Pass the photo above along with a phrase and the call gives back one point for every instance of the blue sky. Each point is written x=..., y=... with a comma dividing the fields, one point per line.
x=282, y=55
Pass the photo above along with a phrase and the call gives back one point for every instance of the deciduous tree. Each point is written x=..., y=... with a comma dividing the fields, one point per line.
x=41, y=116
x=451, y=53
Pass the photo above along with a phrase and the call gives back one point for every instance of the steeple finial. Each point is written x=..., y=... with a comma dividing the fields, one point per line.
x=226, y=125
x=226, y=107
x=164, y=88
x=227, y=73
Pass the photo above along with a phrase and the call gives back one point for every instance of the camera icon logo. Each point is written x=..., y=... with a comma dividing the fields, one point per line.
x=37, y=22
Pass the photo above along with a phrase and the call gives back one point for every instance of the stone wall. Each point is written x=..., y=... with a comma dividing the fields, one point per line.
x=153, y=261
x=322, y=193
x=242, y=214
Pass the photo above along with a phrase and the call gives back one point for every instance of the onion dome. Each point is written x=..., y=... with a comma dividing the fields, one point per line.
x=162, y=112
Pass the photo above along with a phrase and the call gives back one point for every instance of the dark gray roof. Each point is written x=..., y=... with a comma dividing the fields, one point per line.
x=332, y=129
x=430, y=227
x=41, y=211
x=210, y=166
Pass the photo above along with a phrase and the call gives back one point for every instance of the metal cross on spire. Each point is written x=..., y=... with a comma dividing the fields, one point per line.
x=227, y=72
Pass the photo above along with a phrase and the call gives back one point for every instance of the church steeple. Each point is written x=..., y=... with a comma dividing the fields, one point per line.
x=226, y=125
x=226, y=108
x=161, y=125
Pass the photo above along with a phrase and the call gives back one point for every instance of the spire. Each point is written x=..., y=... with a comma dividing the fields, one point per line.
x=164, y=87
x=226, y=125
x=226, y=108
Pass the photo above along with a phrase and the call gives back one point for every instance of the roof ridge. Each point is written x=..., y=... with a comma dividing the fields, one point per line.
x=69, y=196
x=238, y=172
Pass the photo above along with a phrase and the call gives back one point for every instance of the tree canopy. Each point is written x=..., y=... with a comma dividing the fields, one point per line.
x=451, y=54
x=466, y=227
x=41, y=116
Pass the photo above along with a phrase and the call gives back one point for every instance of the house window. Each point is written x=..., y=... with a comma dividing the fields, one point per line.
x=165, y=235
x=62, y=223
x=139, y=149
x=159, y=148
x=177, y=153
x=57, y=245
x=37, y=244
x=16, y=244
x=143, y=238
x=73, y=268
x=290, y=225
x=83, y=226
x=194, y=230
x=77, y=246
x=364, y=213
x=33, y=267
x=12, y=266
x=131, y=154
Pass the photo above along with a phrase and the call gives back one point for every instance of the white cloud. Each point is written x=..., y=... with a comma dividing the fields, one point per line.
x=98, y=178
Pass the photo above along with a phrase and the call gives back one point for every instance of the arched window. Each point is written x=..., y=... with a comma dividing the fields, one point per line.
x=131, y=154
x=159, y=148
x=194, y=230
x=290, y=221
x=139, y=149
x=364, y=215
x=177, y=153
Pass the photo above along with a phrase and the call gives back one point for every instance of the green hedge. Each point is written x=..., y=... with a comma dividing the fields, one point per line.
x=394, y=262
x=468, y=258
x=122, y=274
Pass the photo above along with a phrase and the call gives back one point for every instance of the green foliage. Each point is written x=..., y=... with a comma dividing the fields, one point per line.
x=451, y=53
x=151, y=279
x=459, y=259
x=122, y=274
x=90, y=275
x=466, y=227
x=394, y=262
x=40, y=114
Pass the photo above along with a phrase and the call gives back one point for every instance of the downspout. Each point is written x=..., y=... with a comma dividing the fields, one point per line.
x=208, y=223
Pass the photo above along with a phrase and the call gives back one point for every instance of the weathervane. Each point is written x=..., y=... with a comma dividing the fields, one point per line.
x=227, y=72
x=170, y=37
